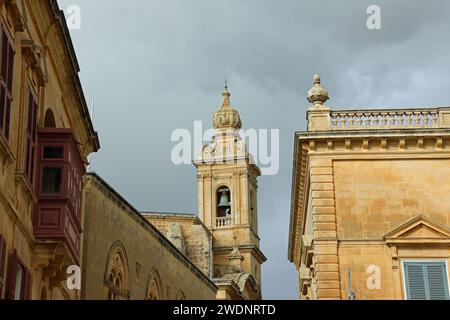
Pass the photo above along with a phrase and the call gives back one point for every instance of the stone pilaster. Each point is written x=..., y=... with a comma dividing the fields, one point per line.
x=326, y=263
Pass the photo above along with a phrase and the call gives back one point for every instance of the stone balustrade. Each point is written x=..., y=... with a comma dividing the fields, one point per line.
x=385, y=119
x=379, y=119
x=223, y=221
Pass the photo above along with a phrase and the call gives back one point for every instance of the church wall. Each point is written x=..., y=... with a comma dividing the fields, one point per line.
x=146, y=249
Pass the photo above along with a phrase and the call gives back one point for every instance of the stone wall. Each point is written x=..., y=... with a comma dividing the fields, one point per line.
x=196, y=237
x=373, y=198
x=109, y=218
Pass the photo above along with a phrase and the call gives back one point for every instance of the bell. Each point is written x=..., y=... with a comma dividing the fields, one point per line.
x=224, y=202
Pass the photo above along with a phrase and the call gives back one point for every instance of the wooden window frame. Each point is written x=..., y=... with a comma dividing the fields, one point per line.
x=3, y=255
x=25, y=287
x=31, y=135
x=6, y=80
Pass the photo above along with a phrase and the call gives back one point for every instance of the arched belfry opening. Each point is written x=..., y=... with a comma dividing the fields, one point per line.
x=49, y=119
x=223, y=206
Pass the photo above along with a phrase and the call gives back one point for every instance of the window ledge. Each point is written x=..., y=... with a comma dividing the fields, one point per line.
x=24, y=185
x=5, y=151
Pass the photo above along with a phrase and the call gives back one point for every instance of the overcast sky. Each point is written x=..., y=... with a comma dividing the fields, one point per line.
x=155, y=66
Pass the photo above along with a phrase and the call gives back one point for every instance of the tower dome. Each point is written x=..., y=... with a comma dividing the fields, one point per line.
x=227, y=117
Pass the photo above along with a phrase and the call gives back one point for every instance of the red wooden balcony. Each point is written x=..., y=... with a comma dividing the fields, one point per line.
x=59, y=184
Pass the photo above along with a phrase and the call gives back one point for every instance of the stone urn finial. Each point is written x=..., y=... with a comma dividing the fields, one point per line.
x=317, y=95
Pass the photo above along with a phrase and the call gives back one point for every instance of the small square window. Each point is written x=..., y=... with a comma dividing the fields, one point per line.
x=53, y=152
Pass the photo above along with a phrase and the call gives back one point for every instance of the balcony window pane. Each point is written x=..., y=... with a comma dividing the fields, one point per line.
x=53, y=152
x=51, y=180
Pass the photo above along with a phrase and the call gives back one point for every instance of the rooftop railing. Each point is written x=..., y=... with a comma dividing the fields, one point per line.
x=389, y=119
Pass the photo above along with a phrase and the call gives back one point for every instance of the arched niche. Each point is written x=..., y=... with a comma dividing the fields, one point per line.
x=49, y=119
x=154, y=287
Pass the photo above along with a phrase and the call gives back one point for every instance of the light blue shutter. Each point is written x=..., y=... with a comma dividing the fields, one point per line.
x=415, y=281
x=426, y=281
x=437, y=281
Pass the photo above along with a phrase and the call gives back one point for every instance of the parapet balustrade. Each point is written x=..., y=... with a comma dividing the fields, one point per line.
x=321, y=118
x=387, y=119
x=223, y=221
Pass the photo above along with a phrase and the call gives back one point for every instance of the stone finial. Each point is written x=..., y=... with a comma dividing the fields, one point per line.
x=227, y=117
x=317, y=95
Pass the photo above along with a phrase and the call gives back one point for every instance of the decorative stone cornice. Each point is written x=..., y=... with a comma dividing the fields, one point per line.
x=18, y=13
x=34, y=57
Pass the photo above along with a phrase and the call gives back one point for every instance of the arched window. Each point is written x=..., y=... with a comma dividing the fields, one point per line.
x=49, y=120
x=223, y=207
x=116, y=273
x=154, y=286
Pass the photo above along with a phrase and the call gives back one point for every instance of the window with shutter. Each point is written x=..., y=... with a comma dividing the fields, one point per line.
x=31, y=134
x=19, y=283
x=12, y=276
x=426, y=281
x=6, y=80
x=2, y=263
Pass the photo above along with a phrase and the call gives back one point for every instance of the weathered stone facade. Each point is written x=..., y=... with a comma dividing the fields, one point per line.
x=40, y=89
x=188, y=234
x=370, y=193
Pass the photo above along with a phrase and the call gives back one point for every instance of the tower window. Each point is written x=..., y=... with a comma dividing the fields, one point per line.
x=223, y=209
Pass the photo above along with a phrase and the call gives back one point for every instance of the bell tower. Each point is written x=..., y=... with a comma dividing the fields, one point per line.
x=227, y=197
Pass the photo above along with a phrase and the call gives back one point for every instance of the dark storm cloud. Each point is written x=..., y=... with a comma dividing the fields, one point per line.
x=154, y=66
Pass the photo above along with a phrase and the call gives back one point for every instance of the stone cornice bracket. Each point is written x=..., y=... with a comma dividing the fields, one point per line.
x=318, y=115
x=34, y=58
x=17, y=8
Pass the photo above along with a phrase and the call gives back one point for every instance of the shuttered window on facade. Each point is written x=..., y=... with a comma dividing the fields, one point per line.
x=6, y=80
x=31, y=136
x=19, y=283
x=426, y=281
x=3, y=255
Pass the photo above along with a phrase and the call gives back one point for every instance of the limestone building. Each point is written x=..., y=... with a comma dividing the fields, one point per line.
x=370, y=209
x=57, y=220
x=46, y=136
